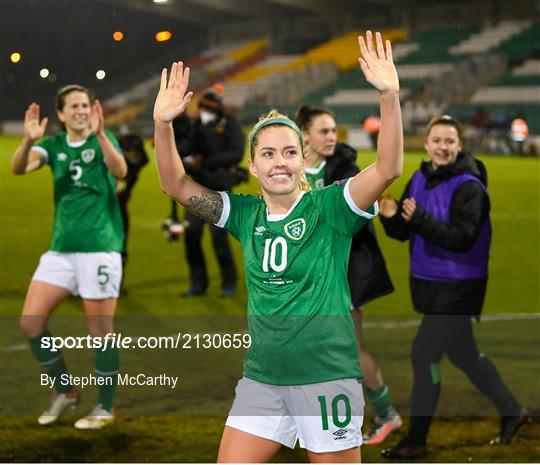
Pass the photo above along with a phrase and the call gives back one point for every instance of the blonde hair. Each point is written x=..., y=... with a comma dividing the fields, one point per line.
x=272, y=114
x=304, y=184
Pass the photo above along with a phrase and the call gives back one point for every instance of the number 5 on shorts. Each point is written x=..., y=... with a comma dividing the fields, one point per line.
x=103, y=275
x=335, y=411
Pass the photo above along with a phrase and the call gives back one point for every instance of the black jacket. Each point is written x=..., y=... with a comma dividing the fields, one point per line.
x=183, y=133
x=469, y=209
x=367, y=274
x=221, y=145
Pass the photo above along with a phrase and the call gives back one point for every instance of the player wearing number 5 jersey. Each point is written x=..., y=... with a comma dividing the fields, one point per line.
x=301, y=373
x=84, y=255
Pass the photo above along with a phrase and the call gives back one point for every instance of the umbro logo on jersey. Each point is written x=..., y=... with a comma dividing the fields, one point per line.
x=88, y=155
x=340, y=434
x=61, y=156
x=259, y=230
x=295, y=229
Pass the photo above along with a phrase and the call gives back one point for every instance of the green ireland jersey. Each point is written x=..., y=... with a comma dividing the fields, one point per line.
x=315, y=175
x=87, y=214
x=298, y=295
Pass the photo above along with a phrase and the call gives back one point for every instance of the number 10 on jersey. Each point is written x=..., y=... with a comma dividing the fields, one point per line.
x=271, y=254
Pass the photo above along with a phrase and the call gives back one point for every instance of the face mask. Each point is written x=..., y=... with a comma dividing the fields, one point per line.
x=207, y=117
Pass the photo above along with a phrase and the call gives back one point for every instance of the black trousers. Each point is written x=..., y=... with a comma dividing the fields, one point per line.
x=452, y=335
x=195, y=256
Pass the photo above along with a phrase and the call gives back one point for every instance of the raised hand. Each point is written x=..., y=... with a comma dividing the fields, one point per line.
x=33, y=129
x=97, y=120
x=377, y=64
x=172, y=99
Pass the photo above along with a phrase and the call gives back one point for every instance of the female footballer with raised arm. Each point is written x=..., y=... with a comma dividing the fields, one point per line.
x=301, y=373
x=84, y=255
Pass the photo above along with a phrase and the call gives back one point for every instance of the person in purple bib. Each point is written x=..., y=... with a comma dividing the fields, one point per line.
x=444, y=213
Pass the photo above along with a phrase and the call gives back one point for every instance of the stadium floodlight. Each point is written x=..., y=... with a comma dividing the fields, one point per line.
x=44, y=73
x=15, y=57
x=101, y=74
x=118, y=36
x=163, y=36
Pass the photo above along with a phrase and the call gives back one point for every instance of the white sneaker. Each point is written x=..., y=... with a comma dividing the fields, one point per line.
x=59, y=404
x=96, y=419
x=381, y=429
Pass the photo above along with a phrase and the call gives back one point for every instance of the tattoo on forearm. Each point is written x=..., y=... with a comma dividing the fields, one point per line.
x=208, y=205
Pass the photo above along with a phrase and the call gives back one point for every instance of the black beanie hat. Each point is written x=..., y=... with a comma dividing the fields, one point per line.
x=211, y=101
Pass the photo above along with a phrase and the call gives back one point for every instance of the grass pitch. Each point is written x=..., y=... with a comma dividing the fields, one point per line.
x=185, y=425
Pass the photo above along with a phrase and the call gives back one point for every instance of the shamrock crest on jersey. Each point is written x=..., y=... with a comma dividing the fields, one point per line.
x=88, y=155
x=295, y=229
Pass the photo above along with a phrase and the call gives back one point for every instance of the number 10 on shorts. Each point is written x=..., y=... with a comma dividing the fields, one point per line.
x=341, y=398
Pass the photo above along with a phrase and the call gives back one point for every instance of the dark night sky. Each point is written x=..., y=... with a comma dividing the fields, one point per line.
x=73, y=39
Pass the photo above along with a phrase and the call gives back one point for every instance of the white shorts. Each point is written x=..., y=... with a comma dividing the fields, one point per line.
x=94, y=275
x=324, y=417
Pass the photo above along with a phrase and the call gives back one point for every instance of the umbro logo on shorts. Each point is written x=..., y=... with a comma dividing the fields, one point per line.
x=340, y=434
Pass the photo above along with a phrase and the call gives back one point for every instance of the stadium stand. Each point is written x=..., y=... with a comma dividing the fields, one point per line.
x=434, y=46
x=238, y=92
x=212, y=65
x=285, y=80
x=440, y=70
x=419, y=60
x=518, y=91
x=489, y=38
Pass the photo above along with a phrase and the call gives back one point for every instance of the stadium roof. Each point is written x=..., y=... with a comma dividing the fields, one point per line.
x=73, y=39
x=210, y=12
